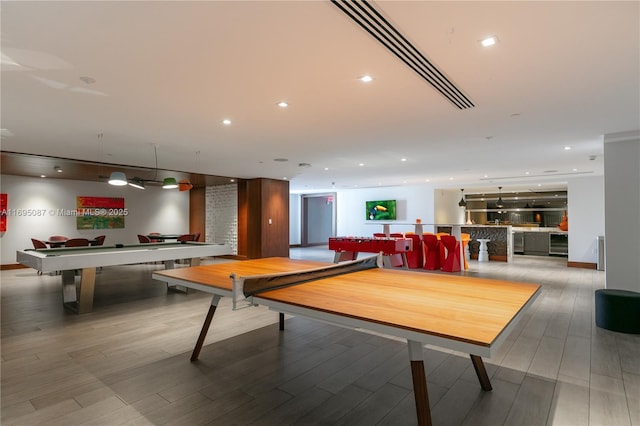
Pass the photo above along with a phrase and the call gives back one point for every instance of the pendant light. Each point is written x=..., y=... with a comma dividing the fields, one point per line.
x=169, y=183
x=500, y=203
x=118, y=179
x=462, y=202
x=185, y=185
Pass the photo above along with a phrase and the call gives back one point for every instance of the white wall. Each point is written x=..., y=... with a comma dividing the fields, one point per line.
x=446, y=206
x=413, y=202
x=149, y=210
x=586, y=217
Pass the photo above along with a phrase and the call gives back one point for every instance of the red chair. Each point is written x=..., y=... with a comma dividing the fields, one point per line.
x=196, y=236
x=77, y=242
x=186, y=237
x=431, y=252
x=414, y=257
x=57, y=240
x=143, y=239
x=152, y=239
x=98, y=241
x=38, y=244
x=451, y=262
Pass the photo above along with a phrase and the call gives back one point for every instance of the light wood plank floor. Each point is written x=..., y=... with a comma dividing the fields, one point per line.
x=127, y=362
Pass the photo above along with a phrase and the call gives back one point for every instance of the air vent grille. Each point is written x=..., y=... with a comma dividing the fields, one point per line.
x=372, y=21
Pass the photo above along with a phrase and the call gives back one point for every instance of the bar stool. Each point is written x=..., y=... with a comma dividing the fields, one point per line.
x=414, y=257
x=451, y=262
x=483, y=255
x=431, y=252
x=464, y=239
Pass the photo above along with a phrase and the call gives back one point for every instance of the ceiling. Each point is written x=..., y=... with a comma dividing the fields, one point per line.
x=116, y=82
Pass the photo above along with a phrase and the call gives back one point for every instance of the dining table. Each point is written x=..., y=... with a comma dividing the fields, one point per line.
x=61, y=243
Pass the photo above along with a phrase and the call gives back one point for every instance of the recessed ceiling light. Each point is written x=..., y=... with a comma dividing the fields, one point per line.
x=451, y=178
x=366, y=78
x=489, y=41
x=403, y=159
x=226, y=121
x=232, y=180
x=575, y=170
x=283, y=104
x=57, y=169
x=326, y=168
x=526, y=173
x=43, y=176
x=567, y=148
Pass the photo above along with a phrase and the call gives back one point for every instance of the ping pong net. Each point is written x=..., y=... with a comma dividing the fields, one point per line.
x=246, y=287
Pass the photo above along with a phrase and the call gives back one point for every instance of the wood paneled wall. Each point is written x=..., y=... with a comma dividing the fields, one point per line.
x=263, y=218
x=197, y=212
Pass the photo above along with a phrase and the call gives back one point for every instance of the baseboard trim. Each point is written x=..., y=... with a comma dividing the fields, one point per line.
x=10, y=266
x=583, y=265
x=492, y=257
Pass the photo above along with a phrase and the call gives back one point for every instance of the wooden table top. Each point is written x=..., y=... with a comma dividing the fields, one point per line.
x=218, y=275
x=467, y=309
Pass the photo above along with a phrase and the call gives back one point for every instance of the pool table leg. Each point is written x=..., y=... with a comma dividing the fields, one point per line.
x=69, y=295
x=80, y=301
x=87, y=287
x=171, y=264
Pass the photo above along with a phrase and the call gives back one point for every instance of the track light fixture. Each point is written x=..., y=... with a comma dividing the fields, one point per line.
x=136, y=182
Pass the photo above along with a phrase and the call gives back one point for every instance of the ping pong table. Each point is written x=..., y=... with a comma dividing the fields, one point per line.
x=470, y=315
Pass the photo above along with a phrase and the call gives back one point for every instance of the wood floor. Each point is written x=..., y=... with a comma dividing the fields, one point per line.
x=127, y=362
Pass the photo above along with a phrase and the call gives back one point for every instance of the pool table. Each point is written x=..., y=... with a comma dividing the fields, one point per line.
x=70, y=259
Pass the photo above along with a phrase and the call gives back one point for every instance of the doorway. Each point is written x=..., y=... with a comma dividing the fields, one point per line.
x=318, y=219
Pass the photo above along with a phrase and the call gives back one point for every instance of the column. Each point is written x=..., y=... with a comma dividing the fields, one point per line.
x=622, y=210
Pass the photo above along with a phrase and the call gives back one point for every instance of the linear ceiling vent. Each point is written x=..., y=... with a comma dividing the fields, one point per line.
x=365, y=15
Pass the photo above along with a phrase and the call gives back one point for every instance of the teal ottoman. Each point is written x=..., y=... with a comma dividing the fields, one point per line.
x=618, y=310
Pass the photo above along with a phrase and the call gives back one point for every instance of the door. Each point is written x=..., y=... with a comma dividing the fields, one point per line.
x=318, y=219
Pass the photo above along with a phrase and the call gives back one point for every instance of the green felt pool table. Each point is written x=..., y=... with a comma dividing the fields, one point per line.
x=87, y=259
